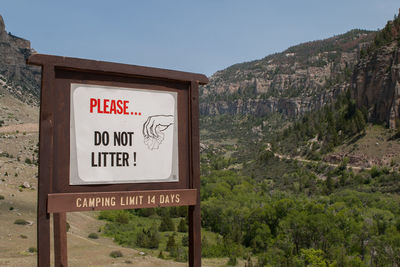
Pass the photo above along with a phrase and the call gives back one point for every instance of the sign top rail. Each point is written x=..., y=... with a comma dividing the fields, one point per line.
x=116, y=68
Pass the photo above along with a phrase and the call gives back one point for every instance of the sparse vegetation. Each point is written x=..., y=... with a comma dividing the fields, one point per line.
x=21, y=222
x=116, y=254
x=93, y=236
x=161, y=255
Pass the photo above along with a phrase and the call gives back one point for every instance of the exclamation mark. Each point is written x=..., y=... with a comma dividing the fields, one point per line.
x=134, y=158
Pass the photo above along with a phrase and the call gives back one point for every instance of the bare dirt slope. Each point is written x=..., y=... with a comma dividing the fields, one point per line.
x=378, y=147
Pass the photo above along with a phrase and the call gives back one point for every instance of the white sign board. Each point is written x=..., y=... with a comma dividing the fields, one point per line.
x=122, y=135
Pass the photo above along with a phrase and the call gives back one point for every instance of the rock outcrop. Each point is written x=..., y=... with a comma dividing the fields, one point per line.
x=21, y=80
x=291, y=107
x=300, y=79
x=376, y=78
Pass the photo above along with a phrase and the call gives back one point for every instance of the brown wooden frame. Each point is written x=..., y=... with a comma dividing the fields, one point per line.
x=57, y=75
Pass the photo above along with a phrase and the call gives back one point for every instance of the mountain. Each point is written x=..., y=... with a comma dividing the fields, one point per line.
x=21, y=80
x=300, y=79
x=319, y=189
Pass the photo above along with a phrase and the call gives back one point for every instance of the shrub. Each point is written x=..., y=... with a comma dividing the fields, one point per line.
x=116, y=254
x=28, y=161
x=146, y=212
x=232, y=260
x=180, y=254
x=148, y=238
x=185, y=241
x=160, y=255
x=93, y=236
x=23, y=236
x=1, y=197
x=122, y=217
x=21, y=222
x=176, y=212
x=374, y=172
x=166, y=224
x=182, y=227
x=32, y=250
x=171, y=244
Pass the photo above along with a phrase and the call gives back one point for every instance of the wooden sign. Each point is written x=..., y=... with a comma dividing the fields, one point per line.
x=115, y=136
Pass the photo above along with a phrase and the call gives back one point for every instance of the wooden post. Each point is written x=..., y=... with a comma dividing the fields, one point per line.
x=60, y=239
x=46, y=167
x=194, y=211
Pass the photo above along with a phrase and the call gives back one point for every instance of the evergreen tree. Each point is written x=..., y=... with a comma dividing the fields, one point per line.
x=153, y=236
x=149, y=238
x=182, y=227
x=171, y=244
x=166, y=224
x=185, y=241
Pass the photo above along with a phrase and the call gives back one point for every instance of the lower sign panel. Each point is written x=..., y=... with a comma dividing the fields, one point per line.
x=66, y=202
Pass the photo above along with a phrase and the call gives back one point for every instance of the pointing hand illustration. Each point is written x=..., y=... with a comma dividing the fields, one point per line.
x=153, y=130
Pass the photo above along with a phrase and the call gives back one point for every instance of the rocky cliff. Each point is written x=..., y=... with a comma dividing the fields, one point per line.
x=300, y=79
x=19, y=79
x=376, y=79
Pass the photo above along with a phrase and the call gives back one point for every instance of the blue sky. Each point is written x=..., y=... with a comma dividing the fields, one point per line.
x=197, y=36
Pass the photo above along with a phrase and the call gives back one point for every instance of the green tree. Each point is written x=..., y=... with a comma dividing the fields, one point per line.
x=171, y=244
x=182, y=226
x=166, y=224
x=314, y=257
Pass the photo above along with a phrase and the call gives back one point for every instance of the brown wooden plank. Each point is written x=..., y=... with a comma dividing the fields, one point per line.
x=46, y=129
x=194, y=211
x=63, y=202
x=109, y=67
x=60, y=239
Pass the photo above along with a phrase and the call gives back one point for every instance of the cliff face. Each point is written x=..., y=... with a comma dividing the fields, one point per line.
x=377, y=85
x=293, y=82
x=19, y=79
x=291, y=107
x=376, y=78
